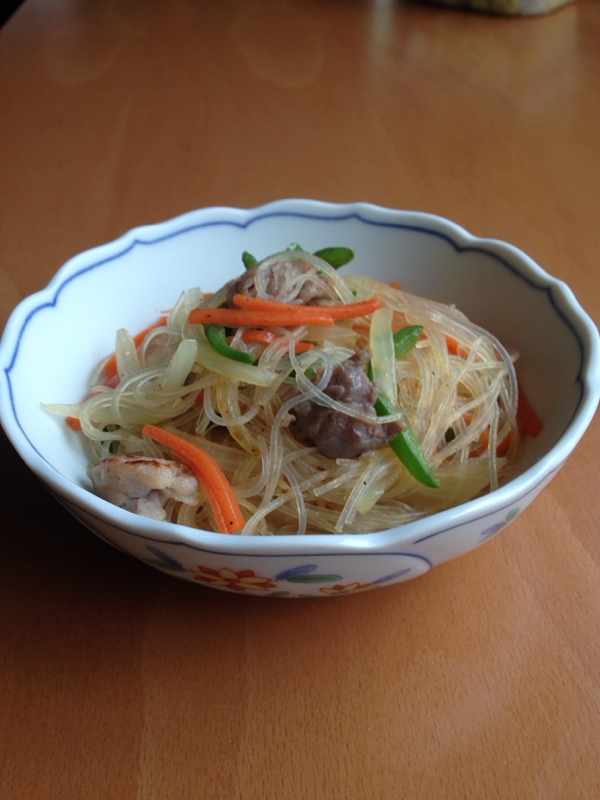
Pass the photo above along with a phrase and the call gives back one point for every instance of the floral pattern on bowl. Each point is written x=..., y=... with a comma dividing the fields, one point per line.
x=286, y=582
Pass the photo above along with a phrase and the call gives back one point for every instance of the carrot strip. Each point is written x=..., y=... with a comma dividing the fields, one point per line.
x=528, y=424
x=111, y=365
x=452, y=345
x=235, y=317
x=455, y=348
x=303, y=347
x=258, y=335
x=484, y=438
x=268, y=337
x=113, y=381
x=220, y=493
x=395, y=285
x=341, y=311
x=527, y=416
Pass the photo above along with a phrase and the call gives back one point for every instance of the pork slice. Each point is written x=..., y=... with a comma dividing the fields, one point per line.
x=278, y=281
x=142, y=484
x=339, y=435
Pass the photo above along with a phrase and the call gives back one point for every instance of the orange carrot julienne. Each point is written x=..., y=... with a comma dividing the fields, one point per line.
x=484, y=438
x=220, y=493
x=452, y=345
x=340, y=311
x=111, y=365
x=455, y=348
x=113, y=381
x=260, y=336
x=528, y=424
x=527, y=416
x=395, y=285
x=268, y=337
x=303, y=347
x=235, y=317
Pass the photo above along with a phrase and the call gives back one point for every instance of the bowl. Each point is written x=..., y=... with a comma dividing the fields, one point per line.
x=143, y=272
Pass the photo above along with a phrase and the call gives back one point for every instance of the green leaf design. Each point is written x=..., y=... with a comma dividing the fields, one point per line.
x=157, y=562
x=314, y=578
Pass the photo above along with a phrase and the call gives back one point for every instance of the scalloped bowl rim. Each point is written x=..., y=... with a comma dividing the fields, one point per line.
x=535, y=476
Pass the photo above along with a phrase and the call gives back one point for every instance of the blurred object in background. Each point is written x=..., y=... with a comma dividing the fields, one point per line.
x=511, y=7
x=8, y=9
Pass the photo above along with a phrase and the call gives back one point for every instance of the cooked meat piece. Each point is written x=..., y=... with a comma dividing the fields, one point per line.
x=287, y=280
x=337, y=435
x=349, y=382
x=143, y=485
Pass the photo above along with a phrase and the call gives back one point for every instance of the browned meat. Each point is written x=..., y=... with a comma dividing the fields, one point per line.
x=282, y=278
x=143, y=485
x=337, y=435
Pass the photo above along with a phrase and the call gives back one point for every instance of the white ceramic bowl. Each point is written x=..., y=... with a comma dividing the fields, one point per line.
x=126, y=282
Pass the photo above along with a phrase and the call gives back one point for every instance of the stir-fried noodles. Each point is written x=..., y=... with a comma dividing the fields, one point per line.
x=395, y=408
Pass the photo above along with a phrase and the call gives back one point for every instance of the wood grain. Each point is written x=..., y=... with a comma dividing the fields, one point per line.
x=480, y=679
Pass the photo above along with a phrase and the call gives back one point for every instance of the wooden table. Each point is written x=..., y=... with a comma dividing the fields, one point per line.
x=481, y=679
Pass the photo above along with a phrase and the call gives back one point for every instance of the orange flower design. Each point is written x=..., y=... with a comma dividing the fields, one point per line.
x=350, y=587
x=225, y=578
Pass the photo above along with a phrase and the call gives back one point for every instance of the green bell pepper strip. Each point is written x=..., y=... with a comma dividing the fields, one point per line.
x=216, y=337
x=249, y=260
x=405, y=339
x=336, y=257
x=406, y=445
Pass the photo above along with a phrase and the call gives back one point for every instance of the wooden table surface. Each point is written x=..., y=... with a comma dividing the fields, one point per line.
x=482, y=678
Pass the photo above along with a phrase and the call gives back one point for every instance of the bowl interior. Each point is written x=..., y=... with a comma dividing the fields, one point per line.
x=61, y=333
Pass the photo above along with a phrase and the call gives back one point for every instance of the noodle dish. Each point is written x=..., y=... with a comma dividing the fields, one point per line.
x=303, y=399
